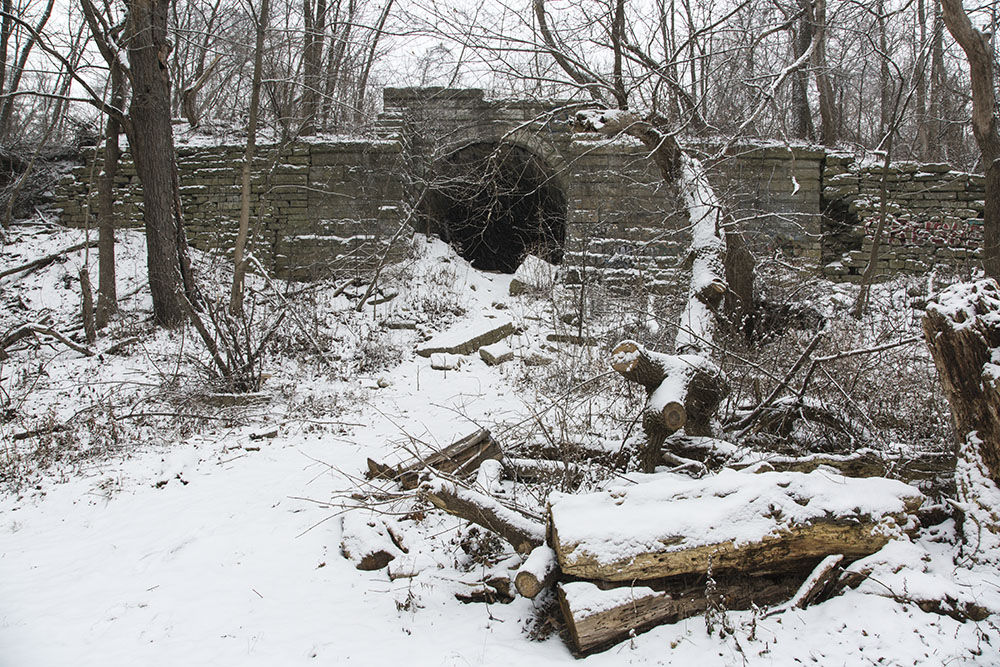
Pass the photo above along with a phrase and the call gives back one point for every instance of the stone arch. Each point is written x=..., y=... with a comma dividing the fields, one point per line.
x=496, y=200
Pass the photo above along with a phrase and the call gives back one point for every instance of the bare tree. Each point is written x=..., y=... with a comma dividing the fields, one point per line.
x=239, y=261
x=977, y=49
x=152, y=143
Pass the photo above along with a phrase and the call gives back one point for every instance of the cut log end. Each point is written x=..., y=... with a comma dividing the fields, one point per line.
x=674, y=415
x=625, y=356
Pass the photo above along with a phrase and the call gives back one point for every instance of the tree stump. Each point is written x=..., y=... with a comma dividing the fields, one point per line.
x=962, y=328
x=682, y=391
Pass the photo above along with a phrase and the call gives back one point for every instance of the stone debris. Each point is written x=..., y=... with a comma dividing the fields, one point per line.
x=496, y=354
x=534, y=275
x=468, y=338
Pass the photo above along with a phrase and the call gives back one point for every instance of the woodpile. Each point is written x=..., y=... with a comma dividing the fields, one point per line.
x=629, y=558
x=648, y=554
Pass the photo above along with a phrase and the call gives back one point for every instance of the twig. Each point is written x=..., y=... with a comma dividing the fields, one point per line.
x=32, y=327
x=294, y=313
x=747, y=421
x=385, y=255
x=851, y=353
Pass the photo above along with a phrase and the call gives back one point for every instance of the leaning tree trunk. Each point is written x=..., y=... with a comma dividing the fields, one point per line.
x=152, y=143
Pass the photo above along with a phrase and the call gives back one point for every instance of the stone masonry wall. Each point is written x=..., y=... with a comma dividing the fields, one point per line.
x=332, y=206
x=933, y=217
x=325, y=206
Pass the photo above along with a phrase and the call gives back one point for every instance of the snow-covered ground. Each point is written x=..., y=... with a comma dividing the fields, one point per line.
x=137, y=537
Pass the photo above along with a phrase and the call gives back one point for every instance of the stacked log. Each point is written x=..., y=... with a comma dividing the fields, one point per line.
x=756, y=537
x=461, y=457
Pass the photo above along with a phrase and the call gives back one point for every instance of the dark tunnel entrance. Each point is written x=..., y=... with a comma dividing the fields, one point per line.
x=495, y=203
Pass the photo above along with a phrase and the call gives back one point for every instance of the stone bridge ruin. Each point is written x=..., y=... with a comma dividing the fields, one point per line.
x=499, y=178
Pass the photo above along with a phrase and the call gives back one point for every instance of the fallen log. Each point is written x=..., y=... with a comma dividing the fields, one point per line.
x=928, y=470
x=26, y=330
x=731, y=521
x=538, y=572
x=47, y=259
x=682, y=391
x=464, y=455
x=536, y=470
x=597, y=619
x=822, y=579
x=522, y=532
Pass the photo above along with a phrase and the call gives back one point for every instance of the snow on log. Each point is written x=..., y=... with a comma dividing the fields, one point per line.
x=538, y=572
x=522, y=533
x=464, y=455
x=598, y=619
x=466, y=338
x=732, y=521
x=707, y=251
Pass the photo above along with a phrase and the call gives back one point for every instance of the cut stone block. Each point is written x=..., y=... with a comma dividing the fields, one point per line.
x=442, y=361
x=534, y=274
x=496, y=354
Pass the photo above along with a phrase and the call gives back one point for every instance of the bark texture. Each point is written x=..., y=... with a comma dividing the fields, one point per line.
x=962, y=328
x=152, y=144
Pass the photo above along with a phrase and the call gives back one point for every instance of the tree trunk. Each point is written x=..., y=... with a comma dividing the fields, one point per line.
x=923, y=131
x=885, y=85
x=107, y=293
x=519, y=531
x=962, y=333
x=7, y=110
x=597, y=619
x=827, y=104
x=6, y=27
x=802, y=125
x=666, y=528
x=152, y=145
x=938, y=87
x=239, y=262
x=369, y=61
x=984, y=122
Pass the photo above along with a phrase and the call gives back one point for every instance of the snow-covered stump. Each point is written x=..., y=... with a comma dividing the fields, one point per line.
x=962, y=329
x=682, y=391
x=731, y=522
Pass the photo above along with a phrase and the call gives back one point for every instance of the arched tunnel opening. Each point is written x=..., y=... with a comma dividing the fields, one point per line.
x=495, y=203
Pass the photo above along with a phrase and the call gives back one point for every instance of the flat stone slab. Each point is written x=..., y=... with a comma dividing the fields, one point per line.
x=468, y=337
x=496, y=354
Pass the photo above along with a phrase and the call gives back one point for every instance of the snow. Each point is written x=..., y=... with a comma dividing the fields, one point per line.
x=697, y=325
x=674, y=513
x=152, y=539
x=958, y=303
x=540, y=562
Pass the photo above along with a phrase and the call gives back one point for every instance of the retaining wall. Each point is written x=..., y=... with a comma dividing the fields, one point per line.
x=332, y=205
